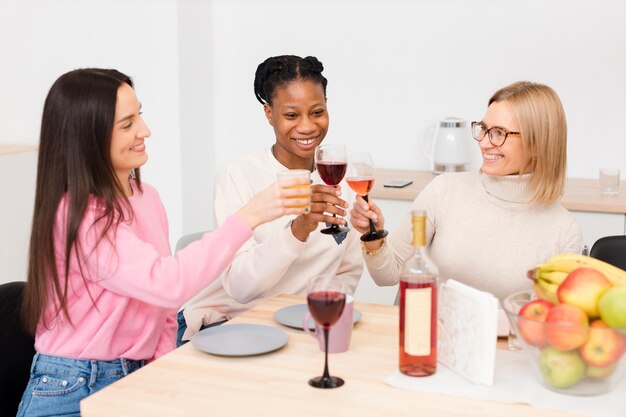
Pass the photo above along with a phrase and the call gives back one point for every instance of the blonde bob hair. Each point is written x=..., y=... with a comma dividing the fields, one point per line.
x=543, y=131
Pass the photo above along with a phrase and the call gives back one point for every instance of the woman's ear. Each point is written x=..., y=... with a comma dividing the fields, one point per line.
x=268, y=113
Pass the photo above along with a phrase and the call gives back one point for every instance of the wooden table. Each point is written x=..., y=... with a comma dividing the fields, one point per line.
x=187, y=382
x=580, y=194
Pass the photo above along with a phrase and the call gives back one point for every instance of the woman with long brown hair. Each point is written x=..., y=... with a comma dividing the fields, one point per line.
x=103, y=288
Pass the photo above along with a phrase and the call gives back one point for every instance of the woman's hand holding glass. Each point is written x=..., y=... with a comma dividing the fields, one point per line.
x=281, y=198
x=361, y=214
x=325, y=202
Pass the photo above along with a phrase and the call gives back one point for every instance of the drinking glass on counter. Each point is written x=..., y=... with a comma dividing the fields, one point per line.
x=609, y=181
x=326, y=299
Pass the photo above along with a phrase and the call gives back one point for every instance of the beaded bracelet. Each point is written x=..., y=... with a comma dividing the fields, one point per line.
x=373, y=252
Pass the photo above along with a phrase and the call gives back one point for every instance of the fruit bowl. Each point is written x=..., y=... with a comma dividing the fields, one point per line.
x=566, y=358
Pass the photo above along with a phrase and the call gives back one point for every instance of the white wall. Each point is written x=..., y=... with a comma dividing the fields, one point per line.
x=394, y=65
x=41, y=40
x=17, y=196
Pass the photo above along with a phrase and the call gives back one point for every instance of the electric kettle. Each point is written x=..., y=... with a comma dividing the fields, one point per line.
x=445, y=144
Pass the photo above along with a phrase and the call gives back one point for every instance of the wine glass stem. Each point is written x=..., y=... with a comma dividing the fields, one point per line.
x=373, y=230
x=326, y=376
x=334, y=226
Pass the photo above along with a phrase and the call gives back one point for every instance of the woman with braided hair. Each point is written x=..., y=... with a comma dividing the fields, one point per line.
x=283, y=255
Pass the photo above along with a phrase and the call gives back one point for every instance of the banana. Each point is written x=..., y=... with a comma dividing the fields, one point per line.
x=546, y=290
x=554, y=277
x=559, y=263
x=548, y=276
x=567, y=262
x=546, y=282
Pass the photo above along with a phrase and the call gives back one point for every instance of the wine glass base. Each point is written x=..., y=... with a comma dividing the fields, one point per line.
x=321, y=382
x=334, y=230
x=370, y=237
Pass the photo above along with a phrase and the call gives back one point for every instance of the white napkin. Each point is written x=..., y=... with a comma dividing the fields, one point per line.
x=467, y=331
x=514, y=382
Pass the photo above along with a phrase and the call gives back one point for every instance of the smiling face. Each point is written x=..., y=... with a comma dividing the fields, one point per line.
x=510, y=158
x=128, y=150
x=299, y=117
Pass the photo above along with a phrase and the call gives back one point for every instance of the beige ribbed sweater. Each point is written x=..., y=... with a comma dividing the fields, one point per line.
x=481, y=231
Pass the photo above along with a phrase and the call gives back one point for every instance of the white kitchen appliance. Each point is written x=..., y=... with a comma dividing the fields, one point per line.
x=445, y=144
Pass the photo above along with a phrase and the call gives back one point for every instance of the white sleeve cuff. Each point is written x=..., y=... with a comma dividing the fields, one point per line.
x=288, y=242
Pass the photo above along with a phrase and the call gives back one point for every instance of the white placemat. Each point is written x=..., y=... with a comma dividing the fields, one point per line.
x=514, y=382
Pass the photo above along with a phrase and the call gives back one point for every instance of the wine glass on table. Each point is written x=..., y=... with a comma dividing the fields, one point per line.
x=326, y=299
x=360, y=178
x=331, y=163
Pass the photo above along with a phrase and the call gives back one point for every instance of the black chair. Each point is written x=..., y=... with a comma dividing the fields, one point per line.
x=17, y=349
x=610, y=249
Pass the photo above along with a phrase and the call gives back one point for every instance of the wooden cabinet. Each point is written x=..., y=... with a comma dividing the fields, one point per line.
x=18, y=168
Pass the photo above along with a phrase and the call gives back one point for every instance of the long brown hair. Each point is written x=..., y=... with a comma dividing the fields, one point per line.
x=543, y=131
x=74, y=161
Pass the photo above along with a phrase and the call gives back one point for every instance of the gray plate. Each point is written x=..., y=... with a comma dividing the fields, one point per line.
x=292, y=316
x=239, y=339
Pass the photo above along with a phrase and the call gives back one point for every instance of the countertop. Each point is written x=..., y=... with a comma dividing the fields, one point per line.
x=11, y=149
x=581, y=194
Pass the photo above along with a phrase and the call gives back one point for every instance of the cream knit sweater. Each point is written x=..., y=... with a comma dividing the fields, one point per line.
x=272, y=261
x=481, y=231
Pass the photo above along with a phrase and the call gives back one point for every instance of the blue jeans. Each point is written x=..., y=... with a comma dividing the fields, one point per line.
x=182, y=326
x=57, y=385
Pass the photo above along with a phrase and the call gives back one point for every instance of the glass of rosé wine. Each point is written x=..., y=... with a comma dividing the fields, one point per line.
x=331, y=163
x=360, y=178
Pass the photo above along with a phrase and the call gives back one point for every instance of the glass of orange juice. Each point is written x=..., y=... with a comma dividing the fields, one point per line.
x=297, y=173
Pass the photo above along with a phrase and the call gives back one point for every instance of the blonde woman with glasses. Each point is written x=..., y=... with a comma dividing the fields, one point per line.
x=487, y=228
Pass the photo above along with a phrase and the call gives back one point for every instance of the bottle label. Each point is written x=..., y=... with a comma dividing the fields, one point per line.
x=417, y=321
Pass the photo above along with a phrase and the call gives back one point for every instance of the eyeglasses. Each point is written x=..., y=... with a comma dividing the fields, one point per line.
x=497, y=135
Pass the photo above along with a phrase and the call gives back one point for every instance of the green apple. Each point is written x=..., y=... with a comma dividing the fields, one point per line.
x=612, y=306
x=600, y=372
x=561, y=369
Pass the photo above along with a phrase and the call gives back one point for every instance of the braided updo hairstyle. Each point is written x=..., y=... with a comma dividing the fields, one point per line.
x=277, y=71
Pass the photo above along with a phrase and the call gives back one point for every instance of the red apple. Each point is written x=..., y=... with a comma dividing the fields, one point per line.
x=583, y=288
x=604, y=347
x=530, y=324
x=566, y=327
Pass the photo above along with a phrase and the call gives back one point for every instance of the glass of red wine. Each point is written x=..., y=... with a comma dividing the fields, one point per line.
x=361, y=179
x=331, y=163
x=326, y=299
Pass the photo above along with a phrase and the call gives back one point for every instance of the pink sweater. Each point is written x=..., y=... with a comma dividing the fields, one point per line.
x=136, y=285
